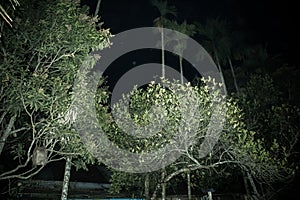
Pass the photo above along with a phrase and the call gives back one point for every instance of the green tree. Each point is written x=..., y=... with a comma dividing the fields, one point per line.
x=237, y=147
x=164, y=10
x=286, y=79
x=276, y=124
x=39, y=62
x=188, y=30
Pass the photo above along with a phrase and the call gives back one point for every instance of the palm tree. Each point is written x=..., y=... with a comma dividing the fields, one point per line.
x=3, y=13
x=216, y=42
x=257, y=57
x=164, y=10
x=238, y=50
x=187, y=30
x=225, y=45
x=184, y=28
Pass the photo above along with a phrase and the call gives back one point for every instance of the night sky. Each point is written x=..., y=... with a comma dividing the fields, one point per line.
x=272, y=23
x=268, y=23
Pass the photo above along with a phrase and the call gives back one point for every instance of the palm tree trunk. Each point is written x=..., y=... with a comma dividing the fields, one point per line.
x=97, y=8
x=189, y=185
x=163, y=72
x=233, y=75
x=67, y=174
x=181, y=69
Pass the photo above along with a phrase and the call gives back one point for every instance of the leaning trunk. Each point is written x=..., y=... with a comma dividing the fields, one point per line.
x=67, y=175
x=252, y=184
x=233, y=75
x=221, y=73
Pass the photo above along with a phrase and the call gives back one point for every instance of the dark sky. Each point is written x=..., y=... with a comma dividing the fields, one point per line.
x=269, y=22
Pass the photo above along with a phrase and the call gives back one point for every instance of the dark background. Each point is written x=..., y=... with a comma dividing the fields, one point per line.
x=273, y=23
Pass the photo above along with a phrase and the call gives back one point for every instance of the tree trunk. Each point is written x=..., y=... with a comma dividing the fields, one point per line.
x=170, y=176
x=147, y=187
x=189, y=185
x=209, y=194
x=181, y=69
x=163, y=72
x=163, y=185
x=252, y=184
x=155, y=192
x=221, y=73
x=7, y=132
x=97, y=8
x=233, y=75
x=246, y=184
x=67, y=175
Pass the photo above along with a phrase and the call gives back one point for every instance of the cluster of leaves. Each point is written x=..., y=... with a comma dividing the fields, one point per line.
x=276, y=124
x=238, y=149
x=145, y=107
x=39, y=61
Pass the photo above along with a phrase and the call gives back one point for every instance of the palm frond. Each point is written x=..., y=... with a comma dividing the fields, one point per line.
x=5, y=16
x=163, y=8
x=3, y=13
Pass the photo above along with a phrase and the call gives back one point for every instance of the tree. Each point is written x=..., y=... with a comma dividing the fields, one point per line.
x=187, y=29
x=275, y=122
x=238, y=49
x=237, y=148
x=216, y=42
x=286, y=79
x=40, y=66
x=164, y=10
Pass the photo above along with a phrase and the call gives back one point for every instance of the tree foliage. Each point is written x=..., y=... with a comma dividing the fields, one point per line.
x=237, y=148
x=39, y=63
